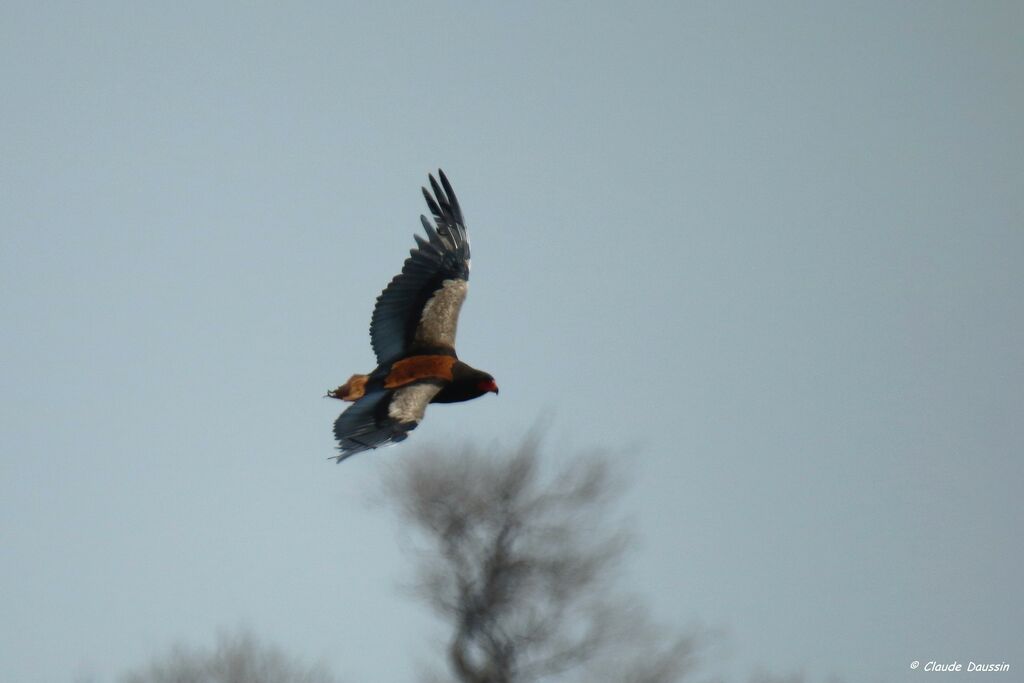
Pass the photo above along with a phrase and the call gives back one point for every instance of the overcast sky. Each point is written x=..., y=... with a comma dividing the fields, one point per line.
x=770, y=254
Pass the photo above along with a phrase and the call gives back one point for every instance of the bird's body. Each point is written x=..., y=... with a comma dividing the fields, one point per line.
x=412, y=332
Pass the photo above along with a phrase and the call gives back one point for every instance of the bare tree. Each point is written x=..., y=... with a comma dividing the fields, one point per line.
x=238, y=658
x=521, y=565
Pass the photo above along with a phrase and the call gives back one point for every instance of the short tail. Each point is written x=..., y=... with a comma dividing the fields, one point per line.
x=353, y=389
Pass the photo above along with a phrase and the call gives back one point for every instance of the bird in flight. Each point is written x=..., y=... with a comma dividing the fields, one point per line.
x=412, y=332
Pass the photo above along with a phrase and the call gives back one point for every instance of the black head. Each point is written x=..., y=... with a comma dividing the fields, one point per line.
x=467, y=383
x=486, y=384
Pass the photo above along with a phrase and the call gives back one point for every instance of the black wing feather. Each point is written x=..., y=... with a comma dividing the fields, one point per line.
x=365, y=425
x=444, y=255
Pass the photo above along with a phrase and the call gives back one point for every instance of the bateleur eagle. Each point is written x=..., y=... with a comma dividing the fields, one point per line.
x=412, y=332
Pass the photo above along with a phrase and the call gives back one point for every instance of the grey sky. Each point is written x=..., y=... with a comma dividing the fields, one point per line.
x=771, y=252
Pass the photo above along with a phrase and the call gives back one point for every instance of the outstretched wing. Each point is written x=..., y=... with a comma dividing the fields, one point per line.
x=420, y=307
x=382, y=417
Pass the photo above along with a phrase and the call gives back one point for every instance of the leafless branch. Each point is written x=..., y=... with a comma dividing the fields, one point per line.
x=238, y=658
x=521, y=565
